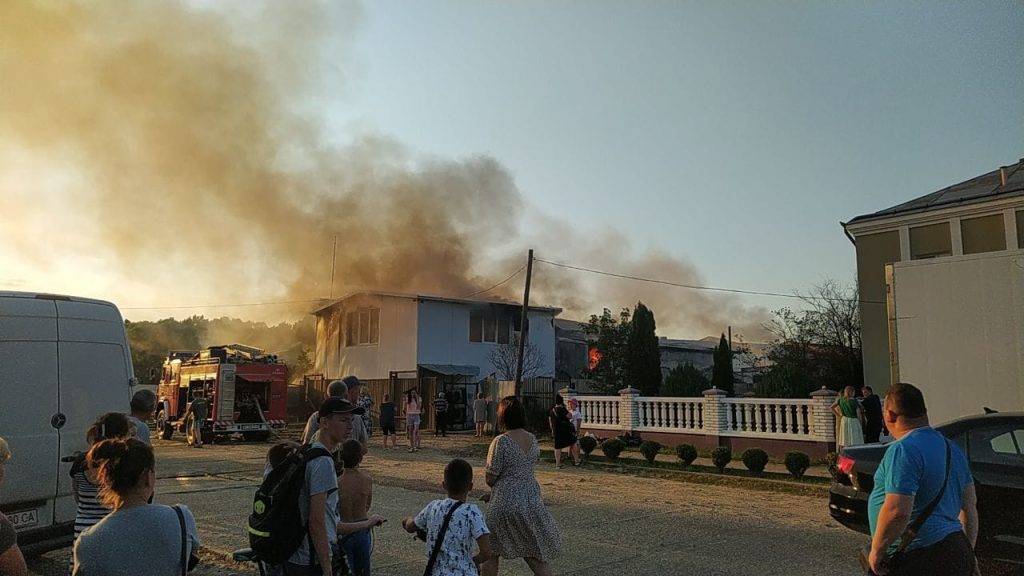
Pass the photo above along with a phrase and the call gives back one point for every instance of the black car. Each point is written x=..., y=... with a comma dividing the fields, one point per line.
x=994, y=445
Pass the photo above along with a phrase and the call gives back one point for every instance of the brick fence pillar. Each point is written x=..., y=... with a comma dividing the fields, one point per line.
x=629, y=417
x=715, y=416
x=823, y=421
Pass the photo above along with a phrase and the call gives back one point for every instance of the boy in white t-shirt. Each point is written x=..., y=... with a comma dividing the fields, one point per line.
x=467, y=525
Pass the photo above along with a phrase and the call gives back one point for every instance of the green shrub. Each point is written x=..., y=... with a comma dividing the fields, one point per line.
x=587, y=444
x=721, y=457
x=612, y=447
x=650, y=450
x=687, y=453
x=797, y=463
x=755, y=460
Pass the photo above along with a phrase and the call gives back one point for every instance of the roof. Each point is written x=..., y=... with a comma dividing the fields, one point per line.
x=432, y=298
x=698, y=345
x=452, y=369
x=982, y=188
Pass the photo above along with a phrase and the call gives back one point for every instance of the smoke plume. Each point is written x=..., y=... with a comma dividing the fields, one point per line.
x=177, y=152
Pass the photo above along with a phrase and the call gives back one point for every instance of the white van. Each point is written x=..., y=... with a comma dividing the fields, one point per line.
x=63, y=362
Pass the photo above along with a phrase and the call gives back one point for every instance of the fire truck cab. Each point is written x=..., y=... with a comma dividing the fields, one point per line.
x=245, y=389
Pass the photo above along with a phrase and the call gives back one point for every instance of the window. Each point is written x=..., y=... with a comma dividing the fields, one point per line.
x=930, y=241
x=1020, y=228
x=1002, y=444
x=489, y=326
x=983, y=234
x=362, y=326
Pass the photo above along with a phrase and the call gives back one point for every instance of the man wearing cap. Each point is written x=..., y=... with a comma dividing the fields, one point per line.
x=318, y=498
x=338, y=388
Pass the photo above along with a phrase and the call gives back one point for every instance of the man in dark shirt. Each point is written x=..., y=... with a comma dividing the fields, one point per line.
x=872, y=414
x=441, y=415
x=387, y=421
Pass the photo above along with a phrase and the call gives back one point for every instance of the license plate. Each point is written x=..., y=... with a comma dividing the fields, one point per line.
x=244, y=427
x=24, y=519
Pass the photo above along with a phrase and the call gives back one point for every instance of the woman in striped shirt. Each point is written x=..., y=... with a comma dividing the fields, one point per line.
x=84, y=483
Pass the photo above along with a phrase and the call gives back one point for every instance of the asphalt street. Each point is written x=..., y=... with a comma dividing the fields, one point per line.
x=613, y=524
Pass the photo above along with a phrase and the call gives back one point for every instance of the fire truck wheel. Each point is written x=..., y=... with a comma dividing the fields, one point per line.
x=167, y=431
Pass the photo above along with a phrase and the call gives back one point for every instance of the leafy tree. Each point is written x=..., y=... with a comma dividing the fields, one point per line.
x=685, y=381
x=721, y=375
x=815, y=347
x=608, y=350
x=642, y=368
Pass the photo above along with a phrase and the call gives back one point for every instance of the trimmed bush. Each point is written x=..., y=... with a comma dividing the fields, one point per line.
x=687, y=453
x=612, y=447
x=797, y=463
x=650, y=450
x=721, y=457
x=587, y=444
x=755, y=460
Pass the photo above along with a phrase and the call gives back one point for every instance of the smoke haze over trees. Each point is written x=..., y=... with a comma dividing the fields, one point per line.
x=173, y=153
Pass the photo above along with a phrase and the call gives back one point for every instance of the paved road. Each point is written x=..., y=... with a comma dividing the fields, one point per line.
x=613, y=524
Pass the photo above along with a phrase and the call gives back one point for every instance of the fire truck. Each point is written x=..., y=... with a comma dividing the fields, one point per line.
x=245, y=388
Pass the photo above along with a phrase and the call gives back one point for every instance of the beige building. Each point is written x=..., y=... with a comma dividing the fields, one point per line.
x=982, y=215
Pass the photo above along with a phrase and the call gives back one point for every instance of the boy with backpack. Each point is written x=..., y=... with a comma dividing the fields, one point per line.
x=295, y=511
x=452, y=526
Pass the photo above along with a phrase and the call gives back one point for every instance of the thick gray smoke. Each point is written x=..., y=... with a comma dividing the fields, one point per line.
x=184, y=146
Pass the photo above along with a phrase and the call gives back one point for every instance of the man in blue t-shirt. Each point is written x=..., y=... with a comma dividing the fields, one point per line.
x=909, y=477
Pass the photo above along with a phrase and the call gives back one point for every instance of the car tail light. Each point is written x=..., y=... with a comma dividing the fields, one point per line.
x=845, y=464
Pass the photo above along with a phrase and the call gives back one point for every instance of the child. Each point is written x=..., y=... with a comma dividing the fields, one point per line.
x=467, y=524
x=355, y=491
x=387, y=421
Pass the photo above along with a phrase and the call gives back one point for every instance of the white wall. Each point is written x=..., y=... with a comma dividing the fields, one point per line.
x=443, y=330
x=960, y=331
x=395, y=349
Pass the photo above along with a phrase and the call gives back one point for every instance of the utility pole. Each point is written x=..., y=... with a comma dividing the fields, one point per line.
x=524, y=324
x=730, y=340
x=334, y=260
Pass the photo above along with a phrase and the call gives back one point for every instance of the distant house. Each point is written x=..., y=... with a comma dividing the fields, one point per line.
x=372, y=334
x=699, y=353
x=980, y=216
x=572, y=350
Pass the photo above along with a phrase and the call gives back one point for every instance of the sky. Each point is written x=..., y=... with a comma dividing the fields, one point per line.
x=726, y=139
x=735, y=134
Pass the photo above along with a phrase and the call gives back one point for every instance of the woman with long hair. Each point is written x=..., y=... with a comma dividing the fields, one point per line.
x=563, y=432
x=521, y=526
x=851, y=418
x=413, y=409
x=136, y=537
x=85, y=485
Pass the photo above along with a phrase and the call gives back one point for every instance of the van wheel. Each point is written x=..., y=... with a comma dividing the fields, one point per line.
x=167, y=431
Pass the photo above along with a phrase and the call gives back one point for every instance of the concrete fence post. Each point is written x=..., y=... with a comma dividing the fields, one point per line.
x=823, y=421
x=629, y=417
x=716, y=419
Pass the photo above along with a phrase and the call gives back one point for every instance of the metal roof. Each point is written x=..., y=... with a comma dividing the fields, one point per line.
x=452, y=369
x=978, y=189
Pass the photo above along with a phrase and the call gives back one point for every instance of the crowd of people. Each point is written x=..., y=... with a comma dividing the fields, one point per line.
x=119, y=530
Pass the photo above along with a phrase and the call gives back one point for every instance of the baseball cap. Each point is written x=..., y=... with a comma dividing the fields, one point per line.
x=338, y=405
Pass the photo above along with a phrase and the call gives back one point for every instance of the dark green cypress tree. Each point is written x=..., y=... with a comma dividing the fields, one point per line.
x=643, y=356
x=721, y=377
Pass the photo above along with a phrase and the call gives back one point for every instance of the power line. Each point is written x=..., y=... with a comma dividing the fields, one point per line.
x=223, y=305
x=511, y=276
x=700, y=287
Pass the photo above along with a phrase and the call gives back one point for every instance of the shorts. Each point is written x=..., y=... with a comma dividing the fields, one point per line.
x=357, y=547
x=412, y=421
x=387, y=428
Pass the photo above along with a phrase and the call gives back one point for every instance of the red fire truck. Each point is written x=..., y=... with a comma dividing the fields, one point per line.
x=245, y=388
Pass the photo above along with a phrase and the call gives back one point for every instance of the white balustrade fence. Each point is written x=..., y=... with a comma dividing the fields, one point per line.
x=601, y=411
x=714, y=414
x=667, y=414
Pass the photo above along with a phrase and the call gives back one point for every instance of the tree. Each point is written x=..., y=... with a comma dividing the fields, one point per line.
x=815, y=347
x=505, y=358
x=642, y=368
x=721, y=375
x=302, y=365
x=607, y=354
x=685, y=381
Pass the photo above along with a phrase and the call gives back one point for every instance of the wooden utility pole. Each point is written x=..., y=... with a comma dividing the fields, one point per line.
x=524, y=324
x=334, y=260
